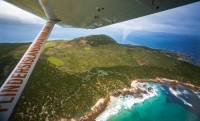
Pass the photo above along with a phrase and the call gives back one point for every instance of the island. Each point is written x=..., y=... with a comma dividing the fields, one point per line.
x=73, y=76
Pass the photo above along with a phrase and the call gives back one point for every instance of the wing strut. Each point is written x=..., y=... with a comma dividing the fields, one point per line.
x=12, y=88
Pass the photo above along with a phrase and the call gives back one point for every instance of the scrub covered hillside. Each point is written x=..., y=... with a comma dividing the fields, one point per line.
x=71, y=76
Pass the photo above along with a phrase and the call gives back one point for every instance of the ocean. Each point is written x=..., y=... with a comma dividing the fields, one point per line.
x=185, y=45
x=181, y=104
x=168, y=105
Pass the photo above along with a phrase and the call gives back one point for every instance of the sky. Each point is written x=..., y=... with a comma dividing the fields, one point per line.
x=182, y=20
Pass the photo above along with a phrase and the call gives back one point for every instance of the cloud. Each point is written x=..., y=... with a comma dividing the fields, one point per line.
x=181, y=20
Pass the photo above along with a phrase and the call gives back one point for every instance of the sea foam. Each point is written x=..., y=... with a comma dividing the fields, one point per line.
x=119, y=103
x=178, y=94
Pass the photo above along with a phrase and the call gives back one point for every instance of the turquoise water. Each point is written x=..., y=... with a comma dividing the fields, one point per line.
x=157, y=108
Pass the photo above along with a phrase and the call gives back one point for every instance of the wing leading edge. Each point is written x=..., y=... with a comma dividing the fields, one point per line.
x=98, y=13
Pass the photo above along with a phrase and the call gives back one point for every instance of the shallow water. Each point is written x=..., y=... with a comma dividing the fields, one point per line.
x=181, y=104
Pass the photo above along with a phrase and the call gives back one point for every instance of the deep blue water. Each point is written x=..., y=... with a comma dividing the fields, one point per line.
x=188, y=45
x=166, y=106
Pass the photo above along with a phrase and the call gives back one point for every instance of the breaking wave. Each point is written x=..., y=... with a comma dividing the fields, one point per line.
x=179, y=95
x=126, y=102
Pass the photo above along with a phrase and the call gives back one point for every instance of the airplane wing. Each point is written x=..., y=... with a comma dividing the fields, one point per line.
x=97, y=13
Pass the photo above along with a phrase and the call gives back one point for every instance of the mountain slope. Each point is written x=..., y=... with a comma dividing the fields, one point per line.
x=71, y=76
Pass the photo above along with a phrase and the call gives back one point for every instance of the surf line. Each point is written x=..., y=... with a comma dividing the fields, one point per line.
x=12, y=88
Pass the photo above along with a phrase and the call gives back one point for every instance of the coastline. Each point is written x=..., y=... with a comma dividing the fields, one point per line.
x=102, y=103
x=136, y=90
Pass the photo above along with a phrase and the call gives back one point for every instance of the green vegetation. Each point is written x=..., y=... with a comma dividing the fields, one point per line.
x=55, y=61
x=9, y=56
x=71, y=76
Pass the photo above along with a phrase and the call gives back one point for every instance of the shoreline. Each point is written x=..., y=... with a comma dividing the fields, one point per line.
x=134, y=90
